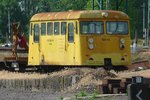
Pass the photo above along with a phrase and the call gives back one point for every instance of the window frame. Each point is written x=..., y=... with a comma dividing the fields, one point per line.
x=63, y=23
x=36, y=37
x=57, y=33
x=88, y=21
x=71, y=36
x=43, y=26
x=48, y=28
x=127, y=32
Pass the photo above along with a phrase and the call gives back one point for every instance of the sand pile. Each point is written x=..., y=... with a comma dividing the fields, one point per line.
x=88, y=78
x=145, y=55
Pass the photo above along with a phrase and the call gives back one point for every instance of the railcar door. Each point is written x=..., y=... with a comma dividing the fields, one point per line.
x=70, y=44
x=35, y=44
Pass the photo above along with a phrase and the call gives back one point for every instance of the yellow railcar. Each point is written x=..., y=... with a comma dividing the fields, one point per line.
x=80, y=38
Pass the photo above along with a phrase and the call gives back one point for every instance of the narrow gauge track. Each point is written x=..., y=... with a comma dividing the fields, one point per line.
x=9, y=49
x=6, y=59
x=139, y=65
x=118, y=86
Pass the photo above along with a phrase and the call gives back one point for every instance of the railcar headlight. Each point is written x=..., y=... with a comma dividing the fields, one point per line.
x=105, y=14
x=91, y=46
x=91, y=40
x=122, y=41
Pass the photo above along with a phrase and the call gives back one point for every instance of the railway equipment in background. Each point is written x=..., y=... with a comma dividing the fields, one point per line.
x=15, y=61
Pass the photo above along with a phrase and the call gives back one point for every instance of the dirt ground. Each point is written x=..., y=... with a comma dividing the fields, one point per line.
x=89, y=78
x=140, y=55
x=13, y=94
x=144, y=73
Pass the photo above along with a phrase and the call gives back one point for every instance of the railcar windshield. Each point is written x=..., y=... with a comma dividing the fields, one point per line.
x=91, y=27
x=120, y=28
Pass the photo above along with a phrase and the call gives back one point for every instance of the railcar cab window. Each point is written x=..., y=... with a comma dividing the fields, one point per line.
x=63, y=28
x=43, y=28
x=36, y=32
x=91, y=27
x=56, y=28
x=50, y=28
x=71, y=32
x=119, y=28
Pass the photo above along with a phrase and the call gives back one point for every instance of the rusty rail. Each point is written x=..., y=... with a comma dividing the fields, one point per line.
x=117, y=86
x=114, y=86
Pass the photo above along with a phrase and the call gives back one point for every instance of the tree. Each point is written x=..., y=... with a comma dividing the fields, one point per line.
x=6, y=8
x=22, y=10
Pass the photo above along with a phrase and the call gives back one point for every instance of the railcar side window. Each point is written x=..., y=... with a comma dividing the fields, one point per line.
x=43, y=28
x=71, y=32
x=91, y=27
x=36, y=32
x=50, y=28
x=56, y=28
x=120, y=28
x=63, y=28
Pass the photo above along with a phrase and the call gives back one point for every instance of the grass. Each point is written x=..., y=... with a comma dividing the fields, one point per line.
x=84, y=94
x=61, y=98
x=81, y=94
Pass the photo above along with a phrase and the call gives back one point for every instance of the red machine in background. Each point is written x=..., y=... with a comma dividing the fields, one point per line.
x=18, y=39
x=18, y=59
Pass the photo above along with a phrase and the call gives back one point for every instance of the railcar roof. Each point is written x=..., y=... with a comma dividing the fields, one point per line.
x=90, y=14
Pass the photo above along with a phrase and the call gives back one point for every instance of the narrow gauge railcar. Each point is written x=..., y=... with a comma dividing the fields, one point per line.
x=80, y=38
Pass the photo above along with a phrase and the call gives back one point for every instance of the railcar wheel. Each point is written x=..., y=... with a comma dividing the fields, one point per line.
x=22, y=68
x=15, y=66
x=108, y=67
x=120, y=68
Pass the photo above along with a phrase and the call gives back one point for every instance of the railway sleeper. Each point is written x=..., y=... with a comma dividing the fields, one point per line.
x=113, y=86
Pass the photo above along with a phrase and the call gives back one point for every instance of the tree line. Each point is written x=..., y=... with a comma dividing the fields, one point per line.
x=22, y=10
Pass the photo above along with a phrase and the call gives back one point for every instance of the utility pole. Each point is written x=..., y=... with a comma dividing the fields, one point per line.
x=126, y=6
x=148, y=24
x=100, y=4
x=93, y=5
x=8, y=26
x=117, y=4
x=144, y=30
x=107, y=4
